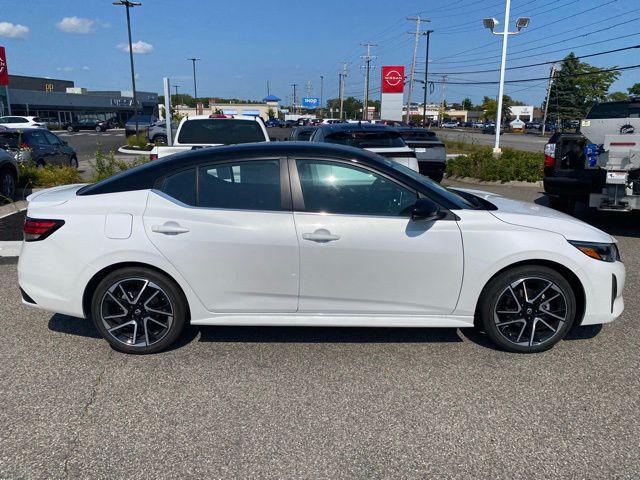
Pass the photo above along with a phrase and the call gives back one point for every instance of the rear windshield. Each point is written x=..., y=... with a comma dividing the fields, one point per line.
x=305, y=134
x=221, y=131
x=9, y=140
x=141, y=118
x=418, y=135
x=615, y=110
x=382, y=139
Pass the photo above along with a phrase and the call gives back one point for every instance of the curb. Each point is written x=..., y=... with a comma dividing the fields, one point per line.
x=496, y=183
x=10, y=248
x=127, y=151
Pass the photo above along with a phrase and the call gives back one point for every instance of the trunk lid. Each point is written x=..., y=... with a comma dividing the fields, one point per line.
x=54, y=196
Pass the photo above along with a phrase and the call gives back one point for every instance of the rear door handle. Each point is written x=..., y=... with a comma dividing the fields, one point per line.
x=321, y=235
x=169, y=228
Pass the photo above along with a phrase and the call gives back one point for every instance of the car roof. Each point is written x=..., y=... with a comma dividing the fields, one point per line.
x=355, y=127
x=227, y=117
x=145, y=176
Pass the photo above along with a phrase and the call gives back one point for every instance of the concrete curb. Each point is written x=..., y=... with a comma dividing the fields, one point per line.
x=10, y=249
x=496, y=183
x=127, y=151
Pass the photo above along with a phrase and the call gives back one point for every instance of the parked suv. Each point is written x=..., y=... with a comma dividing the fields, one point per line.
x=157, y=133
x=8, y=176
x=380, y=139
x=143, y=121
x=13, y=121
x=429, y=151
x=38, y=147
x=87, y=124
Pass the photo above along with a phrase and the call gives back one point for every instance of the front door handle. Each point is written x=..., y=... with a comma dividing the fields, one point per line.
x=169, y=228
x=321, y=235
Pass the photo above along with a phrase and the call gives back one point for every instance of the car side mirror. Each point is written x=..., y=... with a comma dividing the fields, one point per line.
x=425, y=209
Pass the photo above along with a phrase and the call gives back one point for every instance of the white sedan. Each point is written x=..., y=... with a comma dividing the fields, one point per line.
x=309, y=234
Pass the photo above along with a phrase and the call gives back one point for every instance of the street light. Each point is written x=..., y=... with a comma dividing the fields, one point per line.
x=195, y=86
x=128, y=4
x=491, y=23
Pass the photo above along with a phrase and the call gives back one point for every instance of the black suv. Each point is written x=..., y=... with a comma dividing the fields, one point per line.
x=38, y=147
x=88, y=124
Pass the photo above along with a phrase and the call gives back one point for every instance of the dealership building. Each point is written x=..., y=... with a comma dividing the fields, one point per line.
x=60, y=101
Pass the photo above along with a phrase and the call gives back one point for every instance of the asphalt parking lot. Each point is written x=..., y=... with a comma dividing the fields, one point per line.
x=252, y=402
x=519, y=141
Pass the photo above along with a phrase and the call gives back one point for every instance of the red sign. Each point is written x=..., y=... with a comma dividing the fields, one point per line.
x=4, y=72
x=393, y=79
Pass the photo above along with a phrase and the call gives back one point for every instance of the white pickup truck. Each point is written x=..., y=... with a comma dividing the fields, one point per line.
x=211, y=131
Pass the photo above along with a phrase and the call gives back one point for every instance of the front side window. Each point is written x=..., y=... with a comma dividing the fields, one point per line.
x=333, y=187
x=250, y=185
x=53, y=139
x=37, y=137
x=221, y=131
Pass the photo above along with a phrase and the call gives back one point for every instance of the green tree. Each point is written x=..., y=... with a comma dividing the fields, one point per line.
x=617, y=97
x=577, y=87
x=351, y=107
x=467, y=104
x=634, y=89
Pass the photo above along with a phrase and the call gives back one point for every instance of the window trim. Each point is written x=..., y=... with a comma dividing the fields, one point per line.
x=285, y=186
x=298, y=197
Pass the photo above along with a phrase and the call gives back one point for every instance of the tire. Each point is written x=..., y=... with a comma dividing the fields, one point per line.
x=160, y=139
x=153, y=293
x=99, y=129
x=73, y=162
x=8, y=183
x=517, y=325
x=437, y=177
x=70, y=129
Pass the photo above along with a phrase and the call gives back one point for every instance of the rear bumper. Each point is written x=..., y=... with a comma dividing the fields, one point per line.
x=572, y=183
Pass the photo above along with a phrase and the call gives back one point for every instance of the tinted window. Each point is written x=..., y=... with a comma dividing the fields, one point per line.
x=141, y=119
x=363, y=139
x=418, y=135
x=9, y=140
x=221, y=131
x=182, y=186
x=37, y=137
x=252, y=185
x=609, y=110
x=331, y=187
x=53, y=139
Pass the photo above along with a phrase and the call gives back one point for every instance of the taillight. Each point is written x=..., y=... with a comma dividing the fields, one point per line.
x=153, y=156
x=38, y=229
x=549, y=155
x=24, y=146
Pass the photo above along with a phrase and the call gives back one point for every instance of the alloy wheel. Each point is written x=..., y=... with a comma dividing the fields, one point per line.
x=136, y=312
x=530, y=311
x=8, y=185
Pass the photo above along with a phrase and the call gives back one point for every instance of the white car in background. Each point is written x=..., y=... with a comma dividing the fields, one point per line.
x=309, y=234
x=16, y=121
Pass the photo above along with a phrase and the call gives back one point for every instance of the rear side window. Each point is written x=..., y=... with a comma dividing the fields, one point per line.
x=366, y=139
x=250, y=185
x=37, y=137
x=418, y=135
x=221, y=131
x=9, y=140
x=182, y=186
x=609, y=110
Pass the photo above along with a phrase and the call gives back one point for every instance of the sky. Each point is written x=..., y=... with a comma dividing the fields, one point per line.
x=245, y=44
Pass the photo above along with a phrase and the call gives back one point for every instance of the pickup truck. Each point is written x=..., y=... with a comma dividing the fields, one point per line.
x=213, y=130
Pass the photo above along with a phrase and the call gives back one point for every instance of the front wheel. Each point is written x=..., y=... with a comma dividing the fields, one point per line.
x=138, y=310
x=527, y=309
x=73, y=162
x=70, y=129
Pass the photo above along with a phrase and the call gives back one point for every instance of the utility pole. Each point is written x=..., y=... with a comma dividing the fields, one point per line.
x=552, y=74
x=128, y=4
x=195, y=86
x=367, y=66
x=443, y=88
x=294, y=85
x=177, y=101
x=418, y=20
x=426, y=81
x=268, y=89
x=342, y=76
x=321, y=92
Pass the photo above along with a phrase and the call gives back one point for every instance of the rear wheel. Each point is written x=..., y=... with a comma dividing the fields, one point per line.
x=138, y=310
x=160, y=139
x=69, y=129
x=8, y=184
x=73, y=162
x=527, y=309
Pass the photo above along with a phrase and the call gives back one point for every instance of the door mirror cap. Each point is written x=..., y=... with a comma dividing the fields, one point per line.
x=425, y=209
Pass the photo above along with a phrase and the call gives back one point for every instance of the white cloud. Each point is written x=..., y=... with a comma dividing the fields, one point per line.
x=86, y=68
x=139, y=47
x=11, y=30
x=65, y=69
x=76, y=25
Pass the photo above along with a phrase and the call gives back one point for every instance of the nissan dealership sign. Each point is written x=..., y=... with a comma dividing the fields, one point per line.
x=391, y=101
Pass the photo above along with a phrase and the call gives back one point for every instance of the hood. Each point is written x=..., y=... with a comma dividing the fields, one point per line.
x=532, y=215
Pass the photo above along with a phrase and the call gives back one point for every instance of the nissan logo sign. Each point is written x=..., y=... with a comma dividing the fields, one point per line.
x=393, y=78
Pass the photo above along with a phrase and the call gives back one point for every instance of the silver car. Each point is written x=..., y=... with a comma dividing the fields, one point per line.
x=157, y=132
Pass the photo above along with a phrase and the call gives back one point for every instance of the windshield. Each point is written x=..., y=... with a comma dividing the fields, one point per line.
x=458, y=201
x=382, y=139
x=220, y=131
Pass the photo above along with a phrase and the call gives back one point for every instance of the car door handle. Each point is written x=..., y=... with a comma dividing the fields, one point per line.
x=321, y=235
x=169, y=228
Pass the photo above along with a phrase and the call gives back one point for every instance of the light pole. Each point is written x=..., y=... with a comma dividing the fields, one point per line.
x=195, y=85
x=426, y=82
x=128, y=4
x=491, y=23
x=321, y=91
x=177, y=101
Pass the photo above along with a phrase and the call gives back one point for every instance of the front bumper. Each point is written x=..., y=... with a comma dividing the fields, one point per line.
x=603, y=283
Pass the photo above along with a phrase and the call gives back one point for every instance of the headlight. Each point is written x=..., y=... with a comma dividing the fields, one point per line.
x=607, y=252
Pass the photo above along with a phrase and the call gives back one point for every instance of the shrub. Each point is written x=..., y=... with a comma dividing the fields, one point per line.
x=139, y=140
x=106, y=165
x=511, y=165
x=48, y=176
